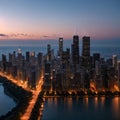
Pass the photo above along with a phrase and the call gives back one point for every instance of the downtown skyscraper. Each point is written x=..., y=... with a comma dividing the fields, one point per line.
x=75, y=50
x=86, y=52
x=60, y=47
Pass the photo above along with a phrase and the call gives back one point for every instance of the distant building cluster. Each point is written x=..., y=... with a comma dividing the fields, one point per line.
x=68, y=70
x=26, y=69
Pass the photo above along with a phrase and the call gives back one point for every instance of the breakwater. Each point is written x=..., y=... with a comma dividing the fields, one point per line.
x=18, y=94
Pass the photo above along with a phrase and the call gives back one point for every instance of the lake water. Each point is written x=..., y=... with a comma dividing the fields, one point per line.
x=6, y=102
x=105, y=47
x=82, y=108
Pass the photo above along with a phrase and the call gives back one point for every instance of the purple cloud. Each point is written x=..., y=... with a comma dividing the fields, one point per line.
x=3, y=35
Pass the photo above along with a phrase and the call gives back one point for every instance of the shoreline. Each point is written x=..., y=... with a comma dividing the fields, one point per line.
x=8, y=93
x=2, y=82
x=85, y=96
x=11, y=95
x=81, y=94
x=20, y=96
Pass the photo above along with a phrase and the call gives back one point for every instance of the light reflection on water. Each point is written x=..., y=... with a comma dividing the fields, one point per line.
x=116, y=106
x=98, y=108
x=85, y=100
x=102, y=101
x=96, y=102
x=69, y=103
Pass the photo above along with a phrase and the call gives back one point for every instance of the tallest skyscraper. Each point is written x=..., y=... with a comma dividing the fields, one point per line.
x=75, y=50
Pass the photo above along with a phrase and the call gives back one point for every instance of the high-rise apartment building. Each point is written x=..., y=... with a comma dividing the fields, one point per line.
x=118, y=67
x=60, y=47
x=96, y=57
x=40, y=58
x=48, y=52
x=47, y=73
x=114, y=61
x=27, y=56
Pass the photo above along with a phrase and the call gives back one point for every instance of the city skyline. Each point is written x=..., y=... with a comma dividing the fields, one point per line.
x=49, y=20
x=36, y=77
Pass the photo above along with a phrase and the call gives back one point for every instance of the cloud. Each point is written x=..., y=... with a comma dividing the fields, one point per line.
x=21, y=35
x=3, y=35
x=45, y=36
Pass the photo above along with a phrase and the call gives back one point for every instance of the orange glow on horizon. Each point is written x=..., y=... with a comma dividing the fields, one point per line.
x=49, y=36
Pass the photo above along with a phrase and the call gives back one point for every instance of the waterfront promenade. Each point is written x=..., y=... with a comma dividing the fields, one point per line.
x=30, y=107
x=35, y=94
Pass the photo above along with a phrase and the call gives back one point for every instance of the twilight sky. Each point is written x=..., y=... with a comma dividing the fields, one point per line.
x=49, y=19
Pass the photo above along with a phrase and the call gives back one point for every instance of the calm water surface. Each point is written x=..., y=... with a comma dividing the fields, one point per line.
x=105, y=47
x=6, y=102
x=82, y=108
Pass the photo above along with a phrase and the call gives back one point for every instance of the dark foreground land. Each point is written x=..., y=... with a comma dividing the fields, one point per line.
x=21, y=96
x=22, y=99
